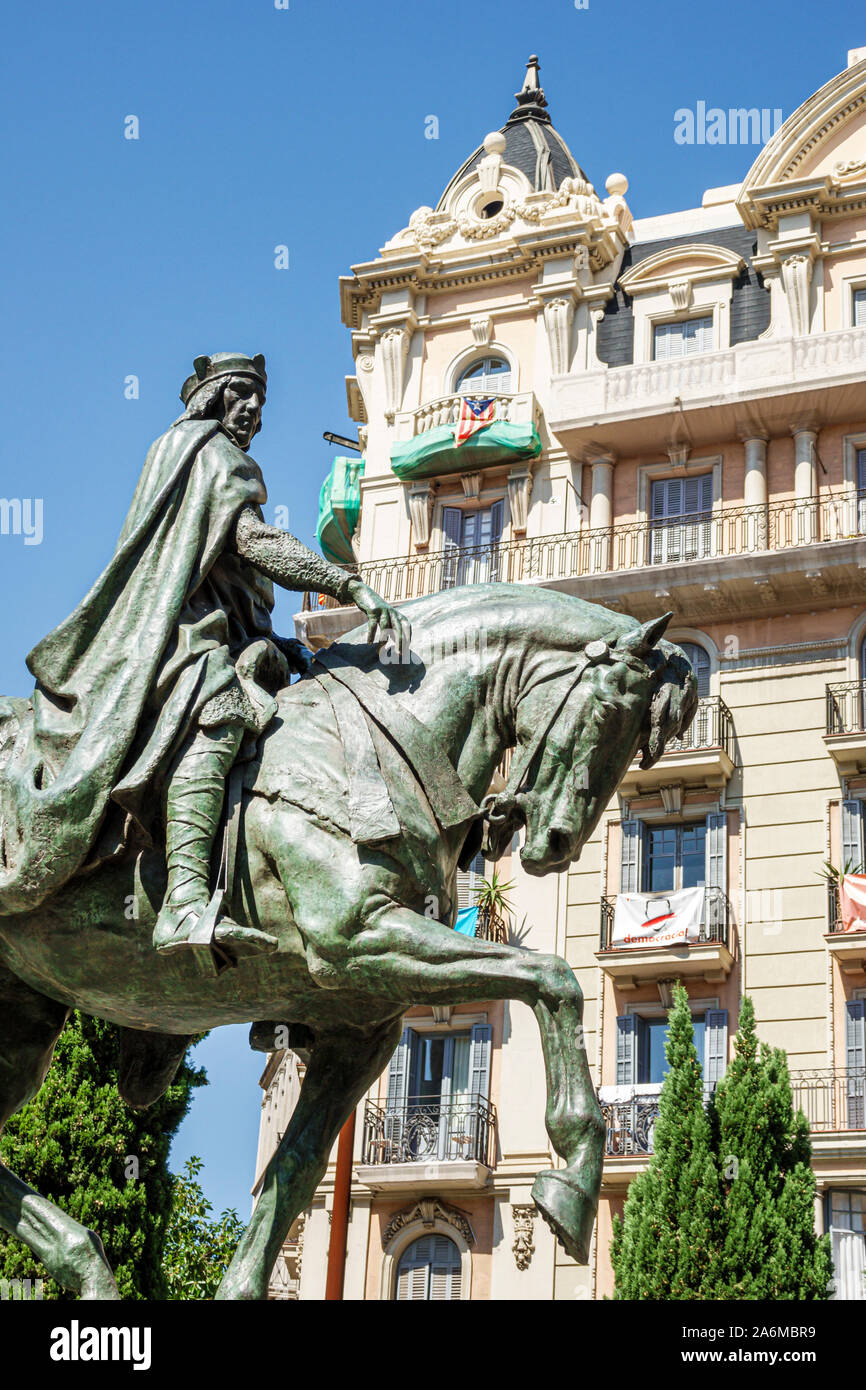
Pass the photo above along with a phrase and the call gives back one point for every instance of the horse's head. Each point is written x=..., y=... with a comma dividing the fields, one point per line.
x=577, y=731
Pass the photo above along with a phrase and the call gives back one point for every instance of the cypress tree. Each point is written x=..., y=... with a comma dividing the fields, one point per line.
x=665, y=1247
x=103, y=1163
x=770, y=1250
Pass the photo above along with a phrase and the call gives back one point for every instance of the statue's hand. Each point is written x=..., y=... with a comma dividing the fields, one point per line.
x=383, y=621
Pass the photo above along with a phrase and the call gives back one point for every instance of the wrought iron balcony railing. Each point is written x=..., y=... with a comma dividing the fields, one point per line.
x=430, y=1131
x=712, y=727
x=624, y=546
x=715, y=920
x=831, y=1099
x=629, y=1125
x=846, y=707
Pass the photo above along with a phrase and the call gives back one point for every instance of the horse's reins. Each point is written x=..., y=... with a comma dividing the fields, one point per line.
x=593, y=654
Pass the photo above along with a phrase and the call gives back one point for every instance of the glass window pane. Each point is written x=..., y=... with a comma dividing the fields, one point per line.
x=661, y=859
x=693, y=861
x=653, y=1065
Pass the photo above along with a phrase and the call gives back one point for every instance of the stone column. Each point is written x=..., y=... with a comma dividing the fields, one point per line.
x=755, y=492
x=601, y=512
x=805, y=529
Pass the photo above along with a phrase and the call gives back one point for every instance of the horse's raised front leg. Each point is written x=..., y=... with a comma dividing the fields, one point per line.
x=30, y=1025
x=402, y=955
x=342, y=1067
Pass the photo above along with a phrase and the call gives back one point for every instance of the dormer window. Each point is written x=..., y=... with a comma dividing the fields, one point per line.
x=486, y=374
x=685, y=338
x=492, y=208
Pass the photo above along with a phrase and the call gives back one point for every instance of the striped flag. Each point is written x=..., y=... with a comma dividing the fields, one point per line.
x=474, y=415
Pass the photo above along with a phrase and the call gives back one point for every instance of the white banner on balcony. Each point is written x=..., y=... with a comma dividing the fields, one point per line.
x=852, y=902
x=658, y=919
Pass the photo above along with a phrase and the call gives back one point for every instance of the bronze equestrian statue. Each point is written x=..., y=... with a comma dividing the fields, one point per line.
x=362, y=787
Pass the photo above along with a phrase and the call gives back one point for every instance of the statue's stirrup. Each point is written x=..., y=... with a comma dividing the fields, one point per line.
x=199, y=931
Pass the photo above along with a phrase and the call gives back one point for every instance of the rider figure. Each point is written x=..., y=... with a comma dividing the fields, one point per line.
x=146, y=693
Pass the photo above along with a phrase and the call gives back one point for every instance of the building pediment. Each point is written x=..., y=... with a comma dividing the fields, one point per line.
x=815, y=160
x=690, y=264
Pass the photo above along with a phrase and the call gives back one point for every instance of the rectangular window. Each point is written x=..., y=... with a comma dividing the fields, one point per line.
x=675, y=858
x=860, y=308
x=680, y=519
x=640, y=1057
x=652, y=1062
x=471, y=545
x=846, y=1219
x=682, y=339
x=848, y=1211
x=438, y=1086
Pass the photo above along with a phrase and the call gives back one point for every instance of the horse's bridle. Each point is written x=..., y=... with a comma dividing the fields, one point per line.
x=595, y=653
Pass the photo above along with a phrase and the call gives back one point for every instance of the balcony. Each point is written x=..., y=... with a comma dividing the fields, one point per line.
x=629, y=408
x=708, y=958
x=834, y=1102
x=704, y=756
x=731, y=560
x=846, y=726
x=447, y=1144
x=516, y=408
x=846, y=947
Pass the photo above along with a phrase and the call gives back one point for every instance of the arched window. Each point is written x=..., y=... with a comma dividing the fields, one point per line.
x=700, y=660
x=485, y=374
x=429, y=1268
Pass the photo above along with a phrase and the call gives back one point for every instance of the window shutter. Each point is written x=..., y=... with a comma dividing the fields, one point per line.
x=399, y=1072
x=452, y=520
x=626, y=1049
x=445, y=1271
x=479, y=1060
x=629, y=878
x=860, y=308
x=861, y=464
x=496, y=514
x=662, y=342
x=715, y=1046
x=852, y=833
x=716, y=871
x=855, y=1057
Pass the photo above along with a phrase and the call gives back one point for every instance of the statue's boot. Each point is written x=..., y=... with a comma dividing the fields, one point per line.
x=194, y=802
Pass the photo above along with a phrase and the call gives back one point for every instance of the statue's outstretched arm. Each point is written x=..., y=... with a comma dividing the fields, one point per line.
x=286, y=560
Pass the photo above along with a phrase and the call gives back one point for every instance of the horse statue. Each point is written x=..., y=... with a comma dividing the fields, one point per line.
x=340, y=853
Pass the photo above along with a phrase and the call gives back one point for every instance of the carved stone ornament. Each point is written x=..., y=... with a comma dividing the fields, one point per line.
x=482, y=328
x=681, y=294
x=471, y=484
x=395, y=345
x=427, y=1212
x=524, y=1245
x=421, y=513
x=797, y=278
x=519, y=488
x=558, y=316
x=848, y=168
x=430, y=228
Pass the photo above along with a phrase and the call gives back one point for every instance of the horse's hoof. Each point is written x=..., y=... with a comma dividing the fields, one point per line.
x=568, y=1211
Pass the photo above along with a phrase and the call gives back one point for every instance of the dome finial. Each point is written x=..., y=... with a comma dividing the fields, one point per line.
x=531, y=101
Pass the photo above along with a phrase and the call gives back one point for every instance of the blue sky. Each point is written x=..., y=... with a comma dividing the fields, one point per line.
x=303, y=127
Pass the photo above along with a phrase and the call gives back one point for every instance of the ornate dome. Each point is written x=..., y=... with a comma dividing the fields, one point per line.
x=531, y=143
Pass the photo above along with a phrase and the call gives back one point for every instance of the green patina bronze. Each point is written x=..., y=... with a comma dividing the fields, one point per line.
x=358, y=791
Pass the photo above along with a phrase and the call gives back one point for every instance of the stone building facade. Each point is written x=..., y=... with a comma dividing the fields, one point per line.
x=679, y=412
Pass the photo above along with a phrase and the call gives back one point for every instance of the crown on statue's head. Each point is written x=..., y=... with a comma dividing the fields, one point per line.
x=208, y=369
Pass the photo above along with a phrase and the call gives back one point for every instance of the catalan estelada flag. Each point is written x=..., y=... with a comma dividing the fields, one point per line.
x=474, y=415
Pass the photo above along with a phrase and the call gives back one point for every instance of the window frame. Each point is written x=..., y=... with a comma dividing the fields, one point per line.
x=404, y=1238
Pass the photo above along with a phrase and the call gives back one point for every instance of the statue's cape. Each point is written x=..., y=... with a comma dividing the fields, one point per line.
x=63, y=754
